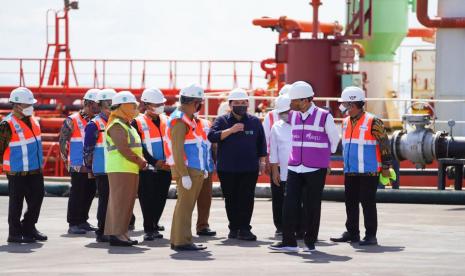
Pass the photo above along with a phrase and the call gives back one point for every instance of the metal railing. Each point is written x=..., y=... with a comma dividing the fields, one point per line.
x=326, y=101
x=133, y=73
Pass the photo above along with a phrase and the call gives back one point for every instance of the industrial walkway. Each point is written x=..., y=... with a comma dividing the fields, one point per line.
x=414, y=240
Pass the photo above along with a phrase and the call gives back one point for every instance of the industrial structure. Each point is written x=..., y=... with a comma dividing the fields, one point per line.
x=359, y=52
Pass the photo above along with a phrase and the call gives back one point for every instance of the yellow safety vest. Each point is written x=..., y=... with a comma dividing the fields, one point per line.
x=116, y=162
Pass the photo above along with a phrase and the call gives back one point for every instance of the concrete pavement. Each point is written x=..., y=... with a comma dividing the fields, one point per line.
x=414, y=240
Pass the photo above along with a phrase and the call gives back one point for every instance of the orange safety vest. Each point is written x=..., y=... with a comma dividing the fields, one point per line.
x=361, y=151
x=76, y=144
x=153, y=138
x=24, y=152
x=195, y=146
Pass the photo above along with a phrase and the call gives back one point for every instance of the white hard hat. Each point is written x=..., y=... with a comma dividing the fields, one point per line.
x=300, y=90
x=238, y=94
x=285, y=89
x=152, y=95
x=282, y=103
x=91, y=94
x=123, y=97
x=106, y=94
x=22, y=95
x=192, y=91
x=352, y=94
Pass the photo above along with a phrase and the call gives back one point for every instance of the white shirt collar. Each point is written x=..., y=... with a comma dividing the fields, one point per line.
x=309, y=111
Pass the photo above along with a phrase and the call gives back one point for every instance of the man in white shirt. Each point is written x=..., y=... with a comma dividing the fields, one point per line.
x=279, y=149
x=314, y=138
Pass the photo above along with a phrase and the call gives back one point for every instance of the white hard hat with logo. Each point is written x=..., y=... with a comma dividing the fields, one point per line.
x=22, y=95
x=352, y=94
x=282, y=103
x=238, y=94
x=106, y=94
x=300, y=90
x=285, y=89
x=152, y=95
x=91, y=94
x=192, y=91
x=123, y=97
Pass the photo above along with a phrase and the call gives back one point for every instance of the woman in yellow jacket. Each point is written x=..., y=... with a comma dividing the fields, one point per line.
x=124, y=160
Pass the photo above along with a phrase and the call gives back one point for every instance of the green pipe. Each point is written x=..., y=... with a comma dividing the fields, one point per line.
x=390, y=27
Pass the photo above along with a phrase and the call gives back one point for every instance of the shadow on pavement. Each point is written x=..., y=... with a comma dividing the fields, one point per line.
x=20, y=247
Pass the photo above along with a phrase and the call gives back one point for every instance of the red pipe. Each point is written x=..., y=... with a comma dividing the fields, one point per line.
x=316, y=5
x=421, y=32
x=290, y=25
x=438, y=22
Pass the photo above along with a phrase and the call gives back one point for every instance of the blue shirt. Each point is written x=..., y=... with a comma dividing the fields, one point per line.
x=239, y=152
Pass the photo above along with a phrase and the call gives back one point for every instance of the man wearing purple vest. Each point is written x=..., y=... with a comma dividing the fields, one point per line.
x=314, y=138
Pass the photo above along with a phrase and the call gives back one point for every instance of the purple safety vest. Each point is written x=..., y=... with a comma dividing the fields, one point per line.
x=310, y=143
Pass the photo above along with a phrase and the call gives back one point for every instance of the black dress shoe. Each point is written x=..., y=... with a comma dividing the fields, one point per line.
x=38, y=236
x=102, y=238
x=87, y=226
x=76, y=230
x=233, y=234
x=133, y=242
x=246, y=235
x=15, y=238
x=188, y=247
x=346, y=237
x=28, y=239
x=368, y=241
x=150, y=236
x=159, y=227
x=206, y=232
x=114, y=241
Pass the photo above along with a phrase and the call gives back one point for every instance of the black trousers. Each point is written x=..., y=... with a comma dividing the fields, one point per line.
x=20, y=188
x=81, y=194
x=306, y=188
x=103, y=192
x=361, y=189
x=277, y=199
x=239, y=194
x=153, y=191
x=277, y=203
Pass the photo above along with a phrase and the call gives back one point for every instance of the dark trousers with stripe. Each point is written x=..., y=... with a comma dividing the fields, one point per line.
x=153, y=192
x=81, y=194
x=24, y=187
x=361, y=189
x=306, y=188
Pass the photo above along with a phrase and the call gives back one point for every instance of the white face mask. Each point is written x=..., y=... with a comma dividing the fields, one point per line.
x=196, y=114
x=284, y=117
x=159, y=110
x=28, y=111
x=342, y=109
